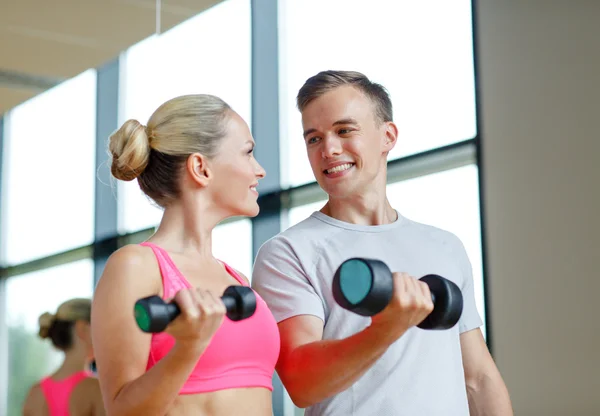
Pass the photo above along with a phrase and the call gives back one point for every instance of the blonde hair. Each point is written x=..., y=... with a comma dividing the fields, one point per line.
x=155, y=154
x=58, y=326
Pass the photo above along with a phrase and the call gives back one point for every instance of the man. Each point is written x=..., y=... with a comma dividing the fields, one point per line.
x=335, y=362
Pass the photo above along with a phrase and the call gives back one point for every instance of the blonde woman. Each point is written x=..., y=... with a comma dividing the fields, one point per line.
x=72, y=389
x=194, y=158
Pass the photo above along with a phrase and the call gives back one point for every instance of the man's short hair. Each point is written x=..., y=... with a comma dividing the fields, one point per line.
x=325, y=81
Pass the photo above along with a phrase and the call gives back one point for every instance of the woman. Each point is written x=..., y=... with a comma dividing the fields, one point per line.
x=72, y=389
x=195, y=160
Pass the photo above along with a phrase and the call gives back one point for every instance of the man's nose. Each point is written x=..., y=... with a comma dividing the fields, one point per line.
x=332, y=147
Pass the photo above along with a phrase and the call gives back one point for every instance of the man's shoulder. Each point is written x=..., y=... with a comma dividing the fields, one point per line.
x=433, y=233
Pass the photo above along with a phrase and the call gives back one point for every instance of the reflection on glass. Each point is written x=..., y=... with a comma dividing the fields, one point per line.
x=232, y=243
x=49, y=171
x=209, y=54
x=422, y=52
x=27, y=297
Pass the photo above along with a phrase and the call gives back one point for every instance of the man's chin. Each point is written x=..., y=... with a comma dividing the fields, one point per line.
x=336, y=190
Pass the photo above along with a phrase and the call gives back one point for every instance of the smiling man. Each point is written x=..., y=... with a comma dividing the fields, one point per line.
x=332, y=361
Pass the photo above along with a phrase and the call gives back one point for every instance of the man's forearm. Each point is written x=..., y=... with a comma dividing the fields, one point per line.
x=321, y=369
x=488, y=396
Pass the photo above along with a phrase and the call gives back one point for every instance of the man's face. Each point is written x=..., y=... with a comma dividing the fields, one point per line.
x=346, y=143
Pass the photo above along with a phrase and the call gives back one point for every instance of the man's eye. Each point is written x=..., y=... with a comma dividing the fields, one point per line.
x=312, y=140
x=343, y=131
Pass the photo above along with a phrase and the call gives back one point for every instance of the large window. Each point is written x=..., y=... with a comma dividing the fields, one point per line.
x=232, y=243
x=448, y=200
x=27, y=297
x=49, y=172
x=420, y=51
x=209, y=54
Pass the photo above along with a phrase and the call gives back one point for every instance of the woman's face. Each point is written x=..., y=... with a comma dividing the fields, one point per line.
x=236, y=171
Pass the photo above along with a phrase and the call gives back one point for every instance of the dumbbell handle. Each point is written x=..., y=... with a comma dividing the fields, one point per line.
x=153, y=315
x=432, y=294
x=173, y=310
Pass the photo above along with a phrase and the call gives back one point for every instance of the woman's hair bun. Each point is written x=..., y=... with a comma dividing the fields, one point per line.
x=130, y=150
x=45, y=322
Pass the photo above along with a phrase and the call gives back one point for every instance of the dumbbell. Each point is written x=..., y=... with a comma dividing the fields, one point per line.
x=153, y=314
x=365, y=287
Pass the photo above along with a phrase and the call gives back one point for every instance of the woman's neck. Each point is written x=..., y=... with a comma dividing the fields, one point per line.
x=75, y=361
x=186, y=229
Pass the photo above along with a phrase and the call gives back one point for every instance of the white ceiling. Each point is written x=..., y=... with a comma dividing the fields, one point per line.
x=43, y=42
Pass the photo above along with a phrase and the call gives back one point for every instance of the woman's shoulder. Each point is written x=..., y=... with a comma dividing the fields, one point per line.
x=132, y=254
x=85, y=396
x=35, y=402
x=131, y=259
x=88, y=385
x=131, y=266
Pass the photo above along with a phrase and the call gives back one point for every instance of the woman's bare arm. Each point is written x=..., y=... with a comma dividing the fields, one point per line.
x=121, y=348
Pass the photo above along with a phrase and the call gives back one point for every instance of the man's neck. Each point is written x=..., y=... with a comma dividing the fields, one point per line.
x=361, y=211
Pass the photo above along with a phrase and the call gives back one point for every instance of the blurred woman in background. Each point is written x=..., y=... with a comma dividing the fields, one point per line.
x=72, y=389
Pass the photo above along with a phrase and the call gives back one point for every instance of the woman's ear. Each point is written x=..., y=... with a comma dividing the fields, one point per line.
x=198, y=169
x=82, y=330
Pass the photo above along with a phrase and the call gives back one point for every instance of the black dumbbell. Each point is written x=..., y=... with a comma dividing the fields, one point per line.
x=153, y=315
x=365, y=287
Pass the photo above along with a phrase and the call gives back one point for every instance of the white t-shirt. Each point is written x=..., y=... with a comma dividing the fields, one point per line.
x=421, y=374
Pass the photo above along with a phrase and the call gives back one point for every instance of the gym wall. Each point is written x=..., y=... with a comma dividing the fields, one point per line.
x=539, y=79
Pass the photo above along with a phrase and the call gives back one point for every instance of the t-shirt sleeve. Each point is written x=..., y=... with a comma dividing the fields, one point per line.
x=280, y=279
x=470, y=318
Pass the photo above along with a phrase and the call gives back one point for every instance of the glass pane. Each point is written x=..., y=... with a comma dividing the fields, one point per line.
x=448, y=200
x=27, y=297
x=232, y=243
x=49, y=171
x=209, y=53
x=422, y=52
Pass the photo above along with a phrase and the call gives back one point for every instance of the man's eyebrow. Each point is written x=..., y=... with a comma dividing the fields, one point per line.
x=309, y=131
x=336, y=123
x=345, y=121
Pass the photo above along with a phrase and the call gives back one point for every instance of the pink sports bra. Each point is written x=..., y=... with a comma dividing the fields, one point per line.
x=240, y=354
x=58, y=393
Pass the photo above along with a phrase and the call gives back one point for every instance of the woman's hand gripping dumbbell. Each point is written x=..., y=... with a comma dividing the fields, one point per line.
x=153, y=314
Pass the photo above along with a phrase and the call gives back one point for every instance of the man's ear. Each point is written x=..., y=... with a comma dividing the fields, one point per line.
x=391, y=136
x=198, y=169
